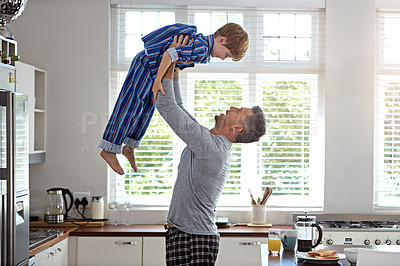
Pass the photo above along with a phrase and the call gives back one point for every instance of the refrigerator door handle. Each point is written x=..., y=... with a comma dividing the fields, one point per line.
x=11, y=207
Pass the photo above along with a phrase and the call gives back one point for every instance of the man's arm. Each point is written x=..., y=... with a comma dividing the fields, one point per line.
x=192, y=133
x=178, y=95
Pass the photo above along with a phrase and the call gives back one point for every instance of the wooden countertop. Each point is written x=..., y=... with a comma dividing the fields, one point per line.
x=141, y=230
x=158, y=230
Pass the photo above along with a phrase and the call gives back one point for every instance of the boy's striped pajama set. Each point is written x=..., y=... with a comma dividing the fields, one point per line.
x=135, y=105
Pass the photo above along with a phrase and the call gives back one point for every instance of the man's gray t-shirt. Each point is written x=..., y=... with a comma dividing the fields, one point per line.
x=202, y=171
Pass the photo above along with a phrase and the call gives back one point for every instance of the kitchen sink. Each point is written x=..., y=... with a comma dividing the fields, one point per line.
x=38, y=236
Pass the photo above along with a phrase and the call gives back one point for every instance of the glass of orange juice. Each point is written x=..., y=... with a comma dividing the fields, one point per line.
x=274, y=241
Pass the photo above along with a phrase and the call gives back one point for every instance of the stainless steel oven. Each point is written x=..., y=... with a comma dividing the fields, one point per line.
x=359, y=229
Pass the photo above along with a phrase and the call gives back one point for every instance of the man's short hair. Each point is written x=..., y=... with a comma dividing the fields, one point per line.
x=253, y=127
x=237, y=39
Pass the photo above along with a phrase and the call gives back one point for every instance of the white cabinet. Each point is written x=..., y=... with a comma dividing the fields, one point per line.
x=240, y=251
x=56, y=255
x=32, y=81
x=108, y=251
x=153, y=251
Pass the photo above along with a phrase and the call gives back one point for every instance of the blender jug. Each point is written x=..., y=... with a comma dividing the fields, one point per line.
x=305, y=237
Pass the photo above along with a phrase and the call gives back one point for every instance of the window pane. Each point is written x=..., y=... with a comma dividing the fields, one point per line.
x=140, y=23
x=133, y=44
x=215, y=97
x=281, y=37
x=387, y=152
x=303, y=52
x=287, y=25
x=288, y=49
x=303, y=25
x=209, y=22
x=271, y=22
x=154, y=160
x=271, y=49
x=288, y=104
x=387, y=113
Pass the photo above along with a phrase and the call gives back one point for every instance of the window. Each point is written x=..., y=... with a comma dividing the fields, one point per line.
x=387, y=112
x=287, y=36
x=289, y=158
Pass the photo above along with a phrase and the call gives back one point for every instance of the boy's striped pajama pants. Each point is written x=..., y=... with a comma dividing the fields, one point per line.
x=133, y=110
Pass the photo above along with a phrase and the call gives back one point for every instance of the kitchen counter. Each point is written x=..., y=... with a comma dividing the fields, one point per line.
x=158, y=230
x=288, y=258
x=143, y=230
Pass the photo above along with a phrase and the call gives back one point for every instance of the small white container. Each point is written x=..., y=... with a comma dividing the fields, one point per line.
x=97, y=206
x=258, y=214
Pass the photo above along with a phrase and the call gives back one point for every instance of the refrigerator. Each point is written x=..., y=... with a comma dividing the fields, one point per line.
x=14, y=173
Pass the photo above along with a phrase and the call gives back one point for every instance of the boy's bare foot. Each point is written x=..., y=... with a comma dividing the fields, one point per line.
x=130, y=155
x=111, y=159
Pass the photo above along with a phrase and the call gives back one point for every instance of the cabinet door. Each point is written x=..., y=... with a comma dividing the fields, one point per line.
x=108, y=251
x=25, y=76
x=45, y=258
x=60, y=253
x=240, y=251
x=153, y=251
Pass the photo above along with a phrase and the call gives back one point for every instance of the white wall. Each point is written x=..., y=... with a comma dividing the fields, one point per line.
x=349, y=105
x=69, y=39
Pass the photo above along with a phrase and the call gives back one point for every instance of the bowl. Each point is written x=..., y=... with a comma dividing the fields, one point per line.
x=351, y=254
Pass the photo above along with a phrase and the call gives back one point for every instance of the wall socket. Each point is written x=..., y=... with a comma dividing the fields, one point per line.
x=81, y=195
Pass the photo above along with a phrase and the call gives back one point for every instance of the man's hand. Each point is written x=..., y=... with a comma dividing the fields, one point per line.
x=157, y=86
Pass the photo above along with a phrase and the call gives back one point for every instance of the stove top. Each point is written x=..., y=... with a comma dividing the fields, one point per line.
x=359, y=225
x=358, y=229
x=38, y=236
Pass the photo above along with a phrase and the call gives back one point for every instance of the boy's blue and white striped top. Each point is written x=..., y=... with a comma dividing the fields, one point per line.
x=159, y=41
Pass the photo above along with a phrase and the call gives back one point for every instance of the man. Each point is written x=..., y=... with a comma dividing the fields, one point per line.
x=192, y=237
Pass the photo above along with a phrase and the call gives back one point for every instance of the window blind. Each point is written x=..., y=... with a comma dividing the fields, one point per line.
x=284, y=77
x=387, y=112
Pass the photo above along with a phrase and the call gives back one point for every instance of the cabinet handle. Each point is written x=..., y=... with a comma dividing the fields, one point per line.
x=249, y=243
x=126, y=243
x=58, y=250
x=51, y=254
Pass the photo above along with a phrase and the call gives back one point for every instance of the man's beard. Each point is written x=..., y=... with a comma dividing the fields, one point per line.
x=217, y=120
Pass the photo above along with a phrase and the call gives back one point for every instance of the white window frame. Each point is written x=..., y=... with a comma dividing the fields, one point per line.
x=250, y=69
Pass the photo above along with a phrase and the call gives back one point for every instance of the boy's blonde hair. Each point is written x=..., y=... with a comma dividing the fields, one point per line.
x=237, y=40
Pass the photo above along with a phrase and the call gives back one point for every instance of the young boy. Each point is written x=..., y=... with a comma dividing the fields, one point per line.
x=135, y=104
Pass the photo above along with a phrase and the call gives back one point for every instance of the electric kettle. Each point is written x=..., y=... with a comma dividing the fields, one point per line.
x=57, y=210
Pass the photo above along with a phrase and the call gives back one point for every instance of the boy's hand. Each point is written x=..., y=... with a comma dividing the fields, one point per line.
x=157, y=86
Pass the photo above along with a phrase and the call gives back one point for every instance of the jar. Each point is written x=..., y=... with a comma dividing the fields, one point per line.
x=97, y=208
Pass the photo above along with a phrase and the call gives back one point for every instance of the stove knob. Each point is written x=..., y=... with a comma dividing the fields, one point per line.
x=398, y=242
x=377, y=242
x=388, y=242
x=329, y=241
x=367, y=242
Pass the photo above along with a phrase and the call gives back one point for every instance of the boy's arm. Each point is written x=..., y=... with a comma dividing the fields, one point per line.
x=164, y=65
x=157, y=86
